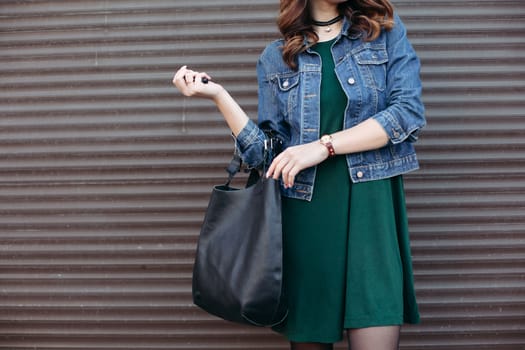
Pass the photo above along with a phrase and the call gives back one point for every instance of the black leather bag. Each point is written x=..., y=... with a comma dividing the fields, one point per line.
x=237, y=273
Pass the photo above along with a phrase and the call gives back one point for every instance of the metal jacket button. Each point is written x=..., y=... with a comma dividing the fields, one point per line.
x=351, y=81
x=360, y=174
x=286, y=83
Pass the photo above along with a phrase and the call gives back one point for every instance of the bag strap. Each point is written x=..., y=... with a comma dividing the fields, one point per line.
x=234, y=167
x=272, y=145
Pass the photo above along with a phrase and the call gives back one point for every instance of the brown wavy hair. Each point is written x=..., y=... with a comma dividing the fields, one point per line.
x=295, y=23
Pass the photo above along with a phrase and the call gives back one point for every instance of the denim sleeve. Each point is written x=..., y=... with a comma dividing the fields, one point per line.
x=404, y=115
x=251, y=139
x=250, y=143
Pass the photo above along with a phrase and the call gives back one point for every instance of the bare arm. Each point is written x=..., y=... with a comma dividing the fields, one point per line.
x=190, y=84
x=366, y=136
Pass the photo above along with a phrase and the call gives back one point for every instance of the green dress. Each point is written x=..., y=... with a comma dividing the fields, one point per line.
x=347, y=261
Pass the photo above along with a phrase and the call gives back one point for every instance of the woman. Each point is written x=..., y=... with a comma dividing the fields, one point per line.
x=341, y=90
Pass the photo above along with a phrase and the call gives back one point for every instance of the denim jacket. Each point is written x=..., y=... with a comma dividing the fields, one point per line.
x=381, y=80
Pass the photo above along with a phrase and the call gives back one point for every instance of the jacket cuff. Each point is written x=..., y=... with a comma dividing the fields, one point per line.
x=247, y=135
x=394, y=130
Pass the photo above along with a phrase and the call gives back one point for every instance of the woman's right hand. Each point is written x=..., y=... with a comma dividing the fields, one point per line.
x=190, y=83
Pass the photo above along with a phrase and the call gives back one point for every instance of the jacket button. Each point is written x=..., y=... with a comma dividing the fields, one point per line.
x=286, y=83
x=351, y=81
x=396, y=134
x=360, y=174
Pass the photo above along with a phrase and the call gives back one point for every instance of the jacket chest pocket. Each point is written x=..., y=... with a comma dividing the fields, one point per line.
x=286, y=87
x=372, y=65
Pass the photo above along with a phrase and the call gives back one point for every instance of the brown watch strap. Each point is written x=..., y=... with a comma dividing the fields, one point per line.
x=326, y=140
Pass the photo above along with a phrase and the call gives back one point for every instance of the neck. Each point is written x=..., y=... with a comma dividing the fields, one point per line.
x=327, y=36
x=328, y=23
x=322, y=11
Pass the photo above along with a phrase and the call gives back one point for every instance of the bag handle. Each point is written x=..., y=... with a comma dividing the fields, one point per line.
x=272, y=146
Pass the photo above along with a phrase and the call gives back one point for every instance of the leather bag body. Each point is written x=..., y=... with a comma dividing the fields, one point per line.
x=237, y=273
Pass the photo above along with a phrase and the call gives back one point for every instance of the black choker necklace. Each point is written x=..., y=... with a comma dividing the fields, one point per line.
x=327, y=23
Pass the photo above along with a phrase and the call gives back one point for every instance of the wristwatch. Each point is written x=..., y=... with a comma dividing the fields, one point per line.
x=326, y=140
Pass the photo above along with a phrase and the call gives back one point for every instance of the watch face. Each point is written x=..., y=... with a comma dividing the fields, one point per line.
x=326, y=138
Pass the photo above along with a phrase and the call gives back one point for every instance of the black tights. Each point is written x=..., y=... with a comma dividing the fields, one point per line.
x=373, y=338
x=311, y=346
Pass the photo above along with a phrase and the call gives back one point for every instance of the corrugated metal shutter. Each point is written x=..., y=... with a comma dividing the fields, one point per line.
x=105, y=171
x=467, y=204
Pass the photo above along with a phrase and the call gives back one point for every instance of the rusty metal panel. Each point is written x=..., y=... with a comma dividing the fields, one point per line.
x=105, y=171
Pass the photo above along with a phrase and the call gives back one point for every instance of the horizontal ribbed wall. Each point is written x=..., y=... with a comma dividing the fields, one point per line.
x=105, y=171
x=467, y=203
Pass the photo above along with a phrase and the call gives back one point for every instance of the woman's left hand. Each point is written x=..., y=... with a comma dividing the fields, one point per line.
x=294, y=159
